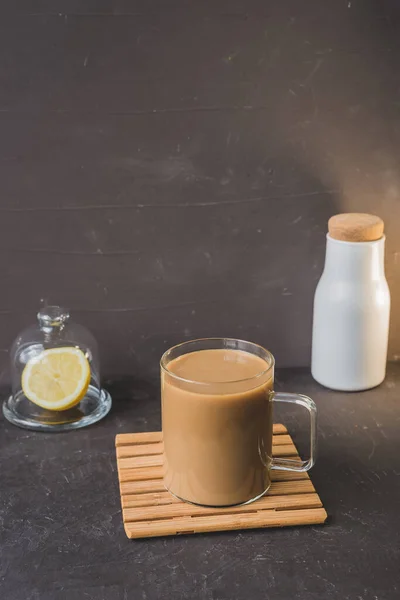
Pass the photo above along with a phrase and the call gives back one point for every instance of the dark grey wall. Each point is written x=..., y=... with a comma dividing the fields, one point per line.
x=167, y=168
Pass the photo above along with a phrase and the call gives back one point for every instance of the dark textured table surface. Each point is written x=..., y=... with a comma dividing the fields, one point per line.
x=62, y=535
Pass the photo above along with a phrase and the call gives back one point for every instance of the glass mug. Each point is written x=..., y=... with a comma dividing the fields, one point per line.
x=217, y=431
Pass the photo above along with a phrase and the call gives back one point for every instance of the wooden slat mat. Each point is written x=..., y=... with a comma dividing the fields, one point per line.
x=148, y=510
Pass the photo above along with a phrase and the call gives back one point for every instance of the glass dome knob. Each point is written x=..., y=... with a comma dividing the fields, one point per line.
x=52, y=316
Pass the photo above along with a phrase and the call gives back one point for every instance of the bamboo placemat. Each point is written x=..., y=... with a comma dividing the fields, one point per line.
x=148, y=510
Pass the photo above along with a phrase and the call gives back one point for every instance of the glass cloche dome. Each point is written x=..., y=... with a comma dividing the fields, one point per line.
x=55, y=376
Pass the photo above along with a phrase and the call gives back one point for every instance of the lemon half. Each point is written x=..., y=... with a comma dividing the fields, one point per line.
x=57, y=379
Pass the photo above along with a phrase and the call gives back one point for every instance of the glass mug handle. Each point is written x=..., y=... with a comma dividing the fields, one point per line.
x=288, y=464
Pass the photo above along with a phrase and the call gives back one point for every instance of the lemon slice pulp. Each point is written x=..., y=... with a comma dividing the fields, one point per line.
x=57, y=379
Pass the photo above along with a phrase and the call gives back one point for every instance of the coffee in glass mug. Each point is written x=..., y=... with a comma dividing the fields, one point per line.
x=217, y=397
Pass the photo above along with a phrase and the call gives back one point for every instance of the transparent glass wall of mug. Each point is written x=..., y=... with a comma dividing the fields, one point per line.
x=217, y=429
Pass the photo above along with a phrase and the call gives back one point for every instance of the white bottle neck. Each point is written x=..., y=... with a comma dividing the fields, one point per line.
x=355, y=260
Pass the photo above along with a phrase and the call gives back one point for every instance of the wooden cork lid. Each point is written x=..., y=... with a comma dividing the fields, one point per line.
x=355, y=227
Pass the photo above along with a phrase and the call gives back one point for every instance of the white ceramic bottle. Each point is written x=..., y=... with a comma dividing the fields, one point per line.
x=352, y=306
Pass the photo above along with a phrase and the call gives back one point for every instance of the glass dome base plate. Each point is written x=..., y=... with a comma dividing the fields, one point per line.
x=18, y=411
